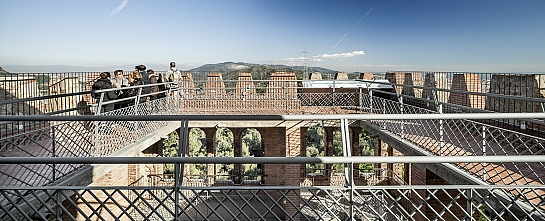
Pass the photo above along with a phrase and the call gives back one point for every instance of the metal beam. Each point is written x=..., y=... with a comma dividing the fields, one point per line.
x=271, y=160
x=274, y=117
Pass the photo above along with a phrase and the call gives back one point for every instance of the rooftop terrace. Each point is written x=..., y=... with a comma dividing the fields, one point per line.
x=483, y=130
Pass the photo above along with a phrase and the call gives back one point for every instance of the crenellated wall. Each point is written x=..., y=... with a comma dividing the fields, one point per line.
x=280, y=94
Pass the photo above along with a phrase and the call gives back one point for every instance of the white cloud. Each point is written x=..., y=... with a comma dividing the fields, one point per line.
x=326, y=56
x=119, y=8
x=341, y=55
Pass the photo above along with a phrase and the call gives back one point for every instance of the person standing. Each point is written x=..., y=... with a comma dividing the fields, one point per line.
x=135, y=79
x=119, y=80
x=154, y=79
x=173, y=75
x=145, y=77
x=104, y=83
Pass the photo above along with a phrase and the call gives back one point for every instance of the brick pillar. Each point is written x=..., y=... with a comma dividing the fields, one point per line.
x=237, y=152
x=341, y=76
x=418, y=177
x=396, y=78
x=407, y=173
x=210, y=152
x=303, y=133
x=395, y=168
x=282, y=85
x=412, y=79
x=467, y=82
x=292, y=172
x=355, y=145
x=328, y=140
x=367, y=76
x=274, y=141
x=409, y=82
x=317, y=76
x=186, y=84
x=435, y=80
x=245, y=86
x=381, y=149
x=215, y=85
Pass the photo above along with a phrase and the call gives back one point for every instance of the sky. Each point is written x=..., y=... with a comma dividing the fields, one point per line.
x=349, y=36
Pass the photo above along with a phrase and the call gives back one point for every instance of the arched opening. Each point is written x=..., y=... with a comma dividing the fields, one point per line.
x=170, y=149
x=197, y=148
x=366, y=148
x=337, y=150
x=224, y=147
x=315, y=147
x=251, y=147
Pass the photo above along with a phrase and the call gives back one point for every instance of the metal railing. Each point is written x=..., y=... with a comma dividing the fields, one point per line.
x=159, y=200
x=436, y=131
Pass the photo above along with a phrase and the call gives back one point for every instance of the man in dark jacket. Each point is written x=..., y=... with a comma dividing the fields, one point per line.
x=145, y=77
x=104, y=83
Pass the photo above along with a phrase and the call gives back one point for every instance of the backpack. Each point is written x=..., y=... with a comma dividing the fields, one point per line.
x=175, y=76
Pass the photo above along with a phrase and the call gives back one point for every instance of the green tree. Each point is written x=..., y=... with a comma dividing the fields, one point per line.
x=197, y=148
x=315, y=146
x=367, y=148
x=170, y=149
x=251, y=147
x=224, y=148
x=337, y=148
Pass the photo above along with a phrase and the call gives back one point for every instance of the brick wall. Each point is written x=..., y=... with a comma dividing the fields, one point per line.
x=406, y=78
x=274, y=139
x=467, y=82
x=215, y=85
x=367, y=76
x=436, y=80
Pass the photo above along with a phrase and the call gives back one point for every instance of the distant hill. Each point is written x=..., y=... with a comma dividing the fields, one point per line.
x=4, y=72
x=230, y=70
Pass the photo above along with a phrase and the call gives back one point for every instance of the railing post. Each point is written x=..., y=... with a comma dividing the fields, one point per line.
x=332, y=101
x=401, y=111
x=441, y=132
x=136, y=112
x=99, y=106
x=469, y=204
x=53, y=147
x=484, y=151
x=370, y=101
x=179, y=167
x=351, y=175
x=360, y=100
x=97, y=123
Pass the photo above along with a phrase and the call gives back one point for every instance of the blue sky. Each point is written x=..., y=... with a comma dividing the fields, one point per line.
x=431, y=35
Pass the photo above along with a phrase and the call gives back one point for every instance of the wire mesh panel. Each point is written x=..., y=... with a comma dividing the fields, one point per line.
x=278, y=203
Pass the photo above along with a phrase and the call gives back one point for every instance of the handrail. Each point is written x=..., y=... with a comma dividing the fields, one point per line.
x=451, y=116
x=273, y=160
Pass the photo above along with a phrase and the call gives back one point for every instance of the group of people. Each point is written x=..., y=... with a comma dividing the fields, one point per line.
x=140, y=76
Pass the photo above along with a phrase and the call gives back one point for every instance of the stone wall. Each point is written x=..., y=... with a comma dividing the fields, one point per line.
x=524, y=85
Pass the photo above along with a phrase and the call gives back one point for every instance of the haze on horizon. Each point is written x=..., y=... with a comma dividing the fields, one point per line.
x=376, y=36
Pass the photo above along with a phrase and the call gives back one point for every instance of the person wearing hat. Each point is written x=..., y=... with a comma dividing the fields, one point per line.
x=145, y=77
x=104, y=83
